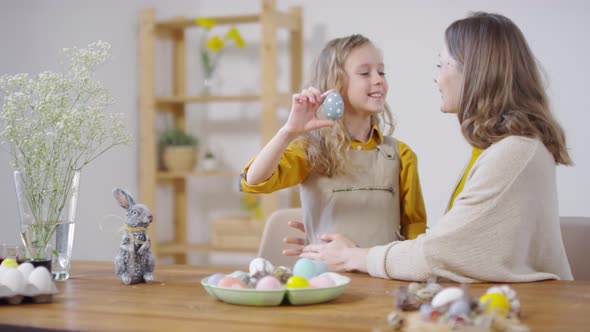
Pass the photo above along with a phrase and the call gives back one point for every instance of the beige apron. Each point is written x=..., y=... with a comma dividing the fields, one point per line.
x=364, y=206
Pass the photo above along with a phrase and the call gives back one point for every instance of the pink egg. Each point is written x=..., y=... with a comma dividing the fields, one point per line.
x=321, y=282
x=231, y=282
x=268, y=283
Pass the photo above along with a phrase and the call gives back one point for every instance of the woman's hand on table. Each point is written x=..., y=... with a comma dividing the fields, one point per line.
x=339, y=253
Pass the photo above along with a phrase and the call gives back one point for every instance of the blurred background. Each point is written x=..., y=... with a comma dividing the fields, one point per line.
x=32, y=33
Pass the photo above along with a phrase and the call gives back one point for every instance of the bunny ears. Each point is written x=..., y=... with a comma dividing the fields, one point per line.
x=123, y=198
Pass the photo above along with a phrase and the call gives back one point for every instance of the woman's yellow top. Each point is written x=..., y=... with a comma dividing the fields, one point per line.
x=293, y=170
x=474, y=155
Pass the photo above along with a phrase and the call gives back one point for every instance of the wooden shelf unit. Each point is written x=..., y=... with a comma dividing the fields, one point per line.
x=270, y=20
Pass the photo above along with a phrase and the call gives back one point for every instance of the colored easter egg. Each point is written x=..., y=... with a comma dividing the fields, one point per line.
x=214, y=278
x=320, y=267
x=297, y=282
x=305, y=268
x=231, y=282
x=241, y=275
x=268, y=283
x=333, y=106
x=282, y=273
x=459, y=308
x=260, y=267
x=446, y=296
x=10, y=262
x=321, y=282
x=495, y=302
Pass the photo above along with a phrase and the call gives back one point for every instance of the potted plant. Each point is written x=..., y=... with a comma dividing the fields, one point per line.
x=209, y=162
x=179, y=150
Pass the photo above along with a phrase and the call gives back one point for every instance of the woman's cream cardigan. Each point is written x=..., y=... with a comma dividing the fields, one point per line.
x=503, y=227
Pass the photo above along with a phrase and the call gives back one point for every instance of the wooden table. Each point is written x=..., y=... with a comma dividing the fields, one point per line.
x=93, y=299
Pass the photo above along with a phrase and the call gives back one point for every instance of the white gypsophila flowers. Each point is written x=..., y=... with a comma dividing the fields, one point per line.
x=54, y=124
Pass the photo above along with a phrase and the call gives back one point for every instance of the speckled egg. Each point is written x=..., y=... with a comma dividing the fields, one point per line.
x=333, y=106
x=231, y=282
x=321, y=282
x=282, y=273
x=304, y=267
x=214, y=278
x=241, y=275
x=260, y=267
x=268, y=283
x=446, y=296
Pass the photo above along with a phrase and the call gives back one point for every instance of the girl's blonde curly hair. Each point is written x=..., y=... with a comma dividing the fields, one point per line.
x=327, y=148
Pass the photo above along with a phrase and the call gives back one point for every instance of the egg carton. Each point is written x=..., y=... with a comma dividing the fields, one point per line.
x=25, y=283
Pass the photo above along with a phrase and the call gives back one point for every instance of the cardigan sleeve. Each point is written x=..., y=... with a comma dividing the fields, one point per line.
x=488, y=232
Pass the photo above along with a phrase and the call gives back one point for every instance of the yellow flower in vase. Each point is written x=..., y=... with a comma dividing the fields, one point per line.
x=251, y=204
x=211, y=47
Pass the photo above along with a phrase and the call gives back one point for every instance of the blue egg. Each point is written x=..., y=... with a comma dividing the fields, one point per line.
x=459, y=307
x=214, y=278
x=333, y=106
x=320, y=267
x=305, y=268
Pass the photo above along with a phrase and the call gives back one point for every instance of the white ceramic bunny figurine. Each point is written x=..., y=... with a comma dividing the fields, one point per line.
x=135, y=262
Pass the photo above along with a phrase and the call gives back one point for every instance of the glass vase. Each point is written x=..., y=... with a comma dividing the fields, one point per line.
x=47, y=211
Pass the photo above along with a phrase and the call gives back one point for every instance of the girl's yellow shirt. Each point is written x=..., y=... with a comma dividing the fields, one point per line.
x=293, y=170
x=474, y=155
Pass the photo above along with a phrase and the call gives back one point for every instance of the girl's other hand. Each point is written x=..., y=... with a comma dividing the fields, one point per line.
x=294, y=240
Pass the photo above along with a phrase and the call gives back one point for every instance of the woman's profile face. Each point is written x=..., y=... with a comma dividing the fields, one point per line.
x=449, y=80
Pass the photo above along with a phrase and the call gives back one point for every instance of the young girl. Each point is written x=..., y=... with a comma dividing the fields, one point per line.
x=503, y=222
x=354, y=179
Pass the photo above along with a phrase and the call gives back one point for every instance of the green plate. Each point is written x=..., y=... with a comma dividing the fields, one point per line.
x=296, y=296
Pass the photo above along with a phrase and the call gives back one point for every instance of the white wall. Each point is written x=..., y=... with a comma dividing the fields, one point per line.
x=32, y=33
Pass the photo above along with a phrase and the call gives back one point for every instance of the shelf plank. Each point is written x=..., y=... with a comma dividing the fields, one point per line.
x=171, y=248
x=165, y=175
x=186, y=22
x=174, y=100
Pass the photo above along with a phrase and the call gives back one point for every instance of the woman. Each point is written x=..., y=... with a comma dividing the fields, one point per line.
x=502, y=224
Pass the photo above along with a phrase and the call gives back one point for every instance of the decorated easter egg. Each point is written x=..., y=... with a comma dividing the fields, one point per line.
x=260, y=267
x=304, y=267
x=495, y=302
x=321, y=282
x=425, y=311
x=320, y=267
x=282, y=273
x=338, y=279
x=214, y=278
x=297, y=282
x=333, y=106
x=10, y=263
x=231, y=282
x=268, y=283
x=459, y=308
x=241, y=275
x=446, y=296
